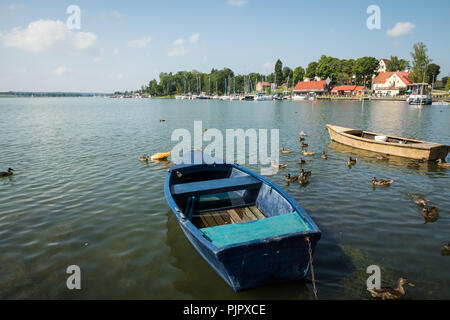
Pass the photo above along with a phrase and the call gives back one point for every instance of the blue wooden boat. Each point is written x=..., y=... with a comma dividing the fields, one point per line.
x=249, y=230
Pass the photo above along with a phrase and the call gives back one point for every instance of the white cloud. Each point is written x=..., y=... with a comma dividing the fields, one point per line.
x=237, y=3
x=179, y=48
x=43, y=34
x=115, y=51
x=194, y=38
x=179, y=51
x=59, y=71
x=268, y=65
x=178, y=42
x=139, y=43
x=400, y=29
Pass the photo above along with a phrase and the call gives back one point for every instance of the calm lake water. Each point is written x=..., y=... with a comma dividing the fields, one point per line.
x=80, y=196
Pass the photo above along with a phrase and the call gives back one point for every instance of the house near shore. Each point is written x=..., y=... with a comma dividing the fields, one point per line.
x=391, y=83
x=349, y=90
x=319, y=87
x=382, y=65
x=263, y=85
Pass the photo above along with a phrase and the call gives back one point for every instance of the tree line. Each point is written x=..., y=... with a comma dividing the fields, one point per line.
x=340, y=71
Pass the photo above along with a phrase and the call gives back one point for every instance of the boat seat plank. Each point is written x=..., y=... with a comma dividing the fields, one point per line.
x=208, y=220
x=224, y=235
x=215, y=186
x=256, y=212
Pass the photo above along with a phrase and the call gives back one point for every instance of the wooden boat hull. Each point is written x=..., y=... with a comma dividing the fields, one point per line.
x=414, y=149
x=259, y=261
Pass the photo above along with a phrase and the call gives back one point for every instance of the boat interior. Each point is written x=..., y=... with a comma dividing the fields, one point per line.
x=223, y=195
x=371, y=136
x=231, y=207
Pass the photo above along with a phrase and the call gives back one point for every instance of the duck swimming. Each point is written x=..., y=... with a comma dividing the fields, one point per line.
x=278, y=165
x=446, y=246
x=303, y=181
x=430, y=213
x=304, y=145
x=382, y=182
x=351, y=161
x=7, y=173
x=324, y=156
x=302, y=134
x=307, y=153
x=443, y=164
x=388, y=293
x=305, y=174
x=283, y=150
x=301, y=161
x=421, y=202
x=301, y=138
x=144, y=158
x=289, y=178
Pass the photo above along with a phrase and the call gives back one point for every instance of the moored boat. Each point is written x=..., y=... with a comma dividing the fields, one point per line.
x=388, y=144
x=248, y=230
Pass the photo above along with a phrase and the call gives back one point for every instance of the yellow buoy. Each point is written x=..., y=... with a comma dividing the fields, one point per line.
x=160, y=156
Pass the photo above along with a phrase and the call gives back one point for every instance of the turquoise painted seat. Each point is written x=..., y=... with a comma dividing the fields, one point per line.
x=225, y=235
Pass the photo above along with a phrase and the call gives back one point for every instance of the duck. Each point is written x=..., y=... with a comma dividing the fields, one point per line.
x=305, y=145
x=289, y=178
x=382, y=182
x=351, y=161
x=301, y=138
x=421, y=202
x=162, y=120
x=303, y=134
x=7, y=173
x=301, y=161
x=144, y=158
x=305, y=174
x=413, y=165
x=388, y=293
x=443, y=164
x=324, y=156
x=383, y=157
x=303, y=181
x=278, y=165
x=307, y=153
x=430, y=213
x=283, y=150
x=446, y=246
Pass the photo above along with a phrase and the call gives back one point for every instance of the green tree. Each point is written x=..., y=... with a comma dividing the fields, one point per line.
x=395, y=64
x=311, y=70
x=447, y=87
x=287, y=74
x=298, y=75
x=420, y=62
x=432, y=72
x=365, y=68
x=278, y=72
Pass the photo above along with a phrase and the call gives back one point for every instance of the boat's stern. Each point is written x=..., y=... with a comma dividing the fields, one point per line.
x=274, y=260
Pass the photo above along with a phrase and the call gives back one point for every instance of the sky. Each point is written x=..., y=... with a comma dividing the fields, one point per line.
x=121, y=46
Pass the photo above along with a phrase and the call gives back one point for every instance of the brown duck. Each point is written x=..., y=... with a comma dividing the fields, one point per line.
x=289, y=178
x=388, y=293
x=7, y=173
x=382, y=182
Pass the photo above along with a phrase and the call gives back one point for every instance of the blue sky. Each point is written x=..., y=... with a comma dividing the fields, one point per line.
x=122, y=45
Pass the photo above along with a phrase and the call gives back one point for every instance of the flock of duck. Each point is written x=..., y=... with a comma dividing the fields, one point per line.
x=430, y=214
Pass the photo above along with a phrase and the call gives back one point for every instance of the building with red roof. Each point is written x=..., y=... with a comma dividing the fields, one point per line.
x=391, y=83
x=318, y=87
x=348, y=89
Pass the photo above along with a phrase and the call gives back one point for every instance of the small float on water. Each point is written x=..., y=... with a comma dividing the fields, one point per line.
x=160, y=156
x=248, y=230
x=387, y=144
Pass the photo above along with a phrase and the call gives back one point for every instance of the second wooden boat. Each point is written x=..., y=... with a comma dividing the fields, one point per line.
x=387, y=144
x=244, y=226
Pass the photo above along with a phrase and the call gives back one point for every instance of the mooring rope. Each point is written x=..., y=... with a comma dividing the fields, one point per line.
x=312, y=268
